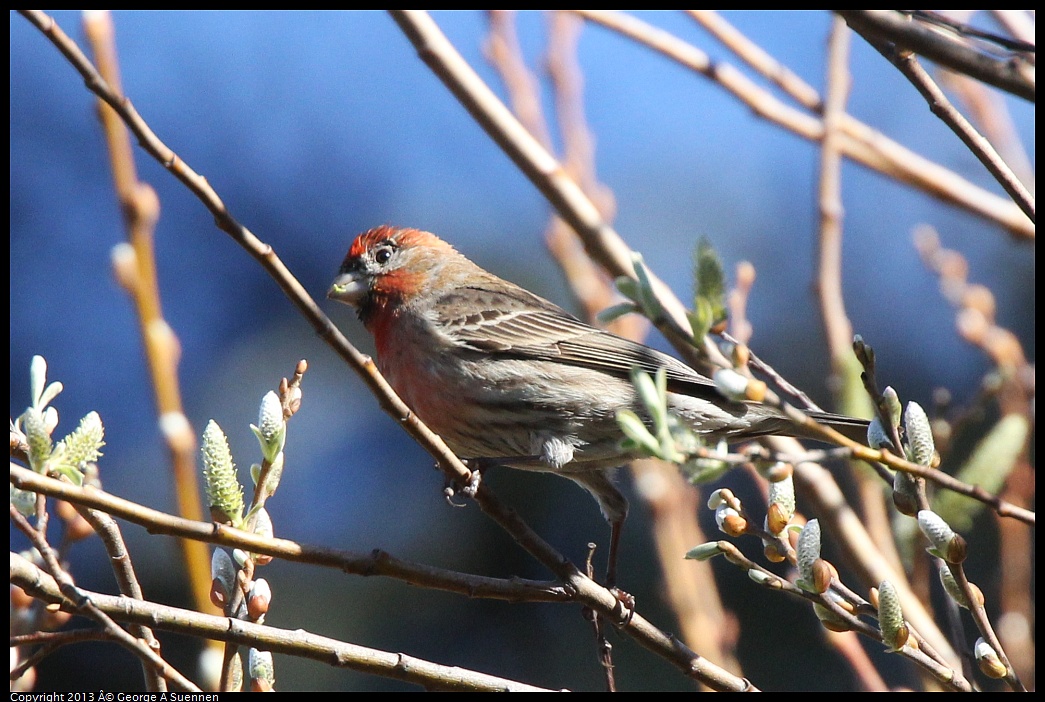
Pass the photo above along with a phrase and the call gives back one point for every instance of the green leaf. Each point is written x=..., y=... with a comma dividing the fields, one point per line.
x=710, y=281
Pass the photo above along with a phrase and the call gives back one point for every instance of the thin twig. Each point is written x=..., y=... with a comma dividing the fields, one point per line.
x=989, y=111
x=51, y=641
x=743, y=331
x=966, y=30
x=589, y=282
x=1019, y=23
x=829, y=283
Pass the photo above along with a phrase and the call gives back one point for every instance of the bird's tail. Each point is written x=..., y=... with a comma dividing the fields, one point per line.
x=849, y=427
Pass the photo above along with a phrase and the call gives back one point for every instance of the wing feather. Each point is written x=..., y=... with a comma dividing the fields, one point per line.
x=517, y=324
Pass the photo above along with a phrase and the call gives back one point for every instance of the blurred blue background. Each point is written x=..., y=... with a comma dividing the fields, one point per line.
x=315, y=126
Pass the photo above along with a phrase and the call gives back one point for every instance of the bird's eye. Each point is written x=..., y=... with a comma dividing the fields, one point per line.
x=383, y=253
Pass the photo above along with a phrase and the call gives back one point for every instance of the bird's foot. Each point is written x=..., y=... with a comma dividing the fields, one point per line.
x=469, y=489
x=472, y=486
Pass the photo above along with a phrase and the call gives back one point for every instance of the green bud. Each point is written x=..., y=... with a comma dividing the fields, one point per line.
x=864, y=351
x=647, y=299
x=719, y=497
x=890, y=617
x=760, y=577
x=258, y=600
x=782, y=492
x=731, y=384
x=650, y=395
x=829, y=619
x=905, y=493
x=701, y=318
x=23, y=501
x=892, y=404
x=877, y=436
x=223, y=570
x=84, y=445
x=987, y=659
x=951, y=587
x=263, y=523
x=235, y=675
x=710, y=298
x=919, y=435
x=42, y=394
x=223, y=489
x=615, y=312
x=946, y=544
x=37, y=437
x=704, y=552
x=637, y=434
x=807, y=553
x=704, y=470
x=628, y=287
x=260, y=666
x=271, y=430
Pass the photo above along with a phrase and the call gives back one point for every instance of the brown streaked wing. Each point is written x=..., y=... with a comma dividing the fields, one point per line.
x=519, y=324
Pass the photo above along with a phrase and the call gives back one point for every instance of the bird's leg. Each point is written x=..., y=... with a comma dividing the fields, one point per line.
x=476, y=466
x=626, y=599
x=614, y=508
x=616, y=527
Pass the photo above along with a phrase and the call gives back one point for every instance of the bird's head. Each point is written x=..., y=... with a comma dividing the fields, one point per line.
x=388, y=266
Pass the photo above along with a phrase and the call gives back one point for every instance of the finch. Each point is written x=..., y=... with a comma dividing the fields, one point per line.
x=508, y=378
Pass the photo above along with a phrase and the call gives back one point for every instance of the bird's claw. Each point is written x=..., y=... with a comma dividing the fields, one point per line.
x=472, y=486
x=469, y=490
x=448, y=494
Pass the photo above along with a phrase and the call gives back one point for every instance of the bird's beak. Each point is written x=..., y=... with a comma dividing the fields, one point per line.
x=348, y=288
